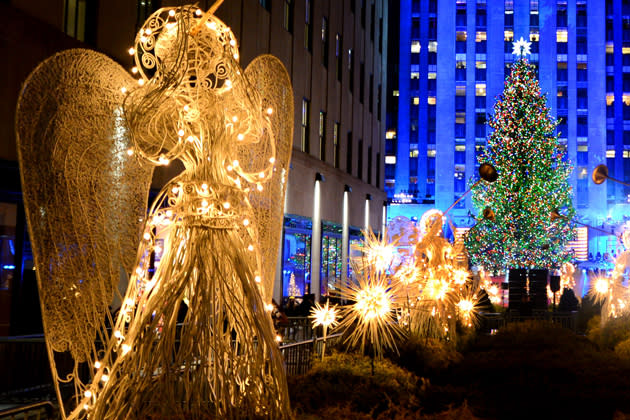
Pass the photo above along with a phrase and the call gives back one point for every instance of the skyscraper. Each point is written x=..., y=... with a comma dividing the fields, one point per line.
x=454, y=57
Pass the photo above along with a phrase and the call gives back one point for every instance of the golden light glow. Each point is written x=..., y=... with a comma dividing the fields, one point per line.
x=601, y=285
x=325, y=316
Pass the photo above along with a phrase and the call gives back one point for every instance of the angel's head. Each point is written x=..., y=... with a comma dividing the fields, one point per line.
x=182, y=45
x=193, y=88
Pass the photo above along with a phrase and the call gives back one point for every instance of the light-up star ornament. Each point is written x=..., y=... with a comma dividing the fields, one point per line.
x=521, y=47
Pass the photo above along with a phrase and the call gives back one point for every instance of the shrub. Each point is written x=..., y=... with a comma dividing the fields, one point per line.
x=531, y=368
x=343, y=383
x=425, y=357
x=613, y=332
x=623, y=350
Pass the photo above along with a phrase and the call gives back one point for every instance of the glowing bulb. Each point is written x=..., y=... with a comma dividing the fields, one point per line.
x=324, y=315
x=123, y=89
x=234, y=118
x=601, y=285
x=278, y=338
x=148, y=31
x=186, y=108
x=141, y=82
x=259, y=187
x=139, y=271
x=85, y=406
x=232, y=42
x=228, y=83
x=143, y=39
x=261, y=175
x=190, y=139
x=213, y=25
x=257, y=279
x=204, y=203
x=117, y=334
x=250, y=247
x=171, y=13
x=130, y=152
x=269, y=111
x=198, y=12
x=272, y=160
x=236, y=56
x=226, y=205
x=131, y=51
x=181, y=133
x=245, y=222
x=229, y=168
x=204, y=186
x=97, y=365
x=466, y=305
x=88, y=393
x=105, y=378
x=240, y=137
x=125, y=348
x=175, y=190
x=268, y=307
x=235, y=163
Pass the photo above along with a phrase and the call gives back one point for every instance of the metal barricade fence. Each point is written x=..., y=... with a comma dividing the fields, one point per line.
x=298, y=357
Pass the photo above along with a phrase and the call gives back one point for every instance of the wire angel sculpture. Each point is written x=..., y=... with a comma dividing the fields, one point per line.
x=87, y=144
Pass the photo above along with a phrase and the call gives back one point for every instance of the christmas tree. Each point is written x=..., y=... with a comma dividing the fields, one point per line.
x=293, y=290
x=515, y=227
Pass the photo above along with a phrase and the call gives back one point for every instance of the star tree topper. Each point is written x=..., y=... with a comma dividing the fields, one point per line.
x=521, y=47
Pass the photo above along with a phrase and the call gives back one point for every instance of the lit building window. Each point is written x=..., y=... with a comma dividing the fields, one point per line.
x=414, y=153
x=390, y=134
x=480, y=89
x=431, y=153
x=460, y=148
x=431, y=100
x=582, y=148
x=432, y=75
x=610, y=153
x=415, y=75
x=480, y=36
x=415, y=46
x=416, y=100
x=432, y=46
x=461, y=36
x=561, y=35
x=396, y=93
x=508, y=35
x=390, y=160
x=480, y=64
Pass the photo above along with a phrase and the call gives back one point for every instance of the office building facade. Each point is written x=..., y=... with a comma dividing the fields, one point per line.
x=335, y=53
x=454, y=58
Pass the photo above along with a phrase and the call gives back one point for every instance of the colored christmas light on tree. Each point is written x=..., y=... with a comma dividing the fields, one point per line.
x=514, y=226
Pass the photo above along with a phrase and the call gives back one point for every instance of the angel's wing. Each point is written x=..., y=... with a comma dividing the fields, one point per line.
x=85, y=197
x=270, y=78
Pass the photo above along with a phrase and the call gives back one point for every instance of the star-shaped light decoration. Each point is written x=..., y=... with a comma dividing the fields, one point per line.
x=325, y=316
x=521, y=47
